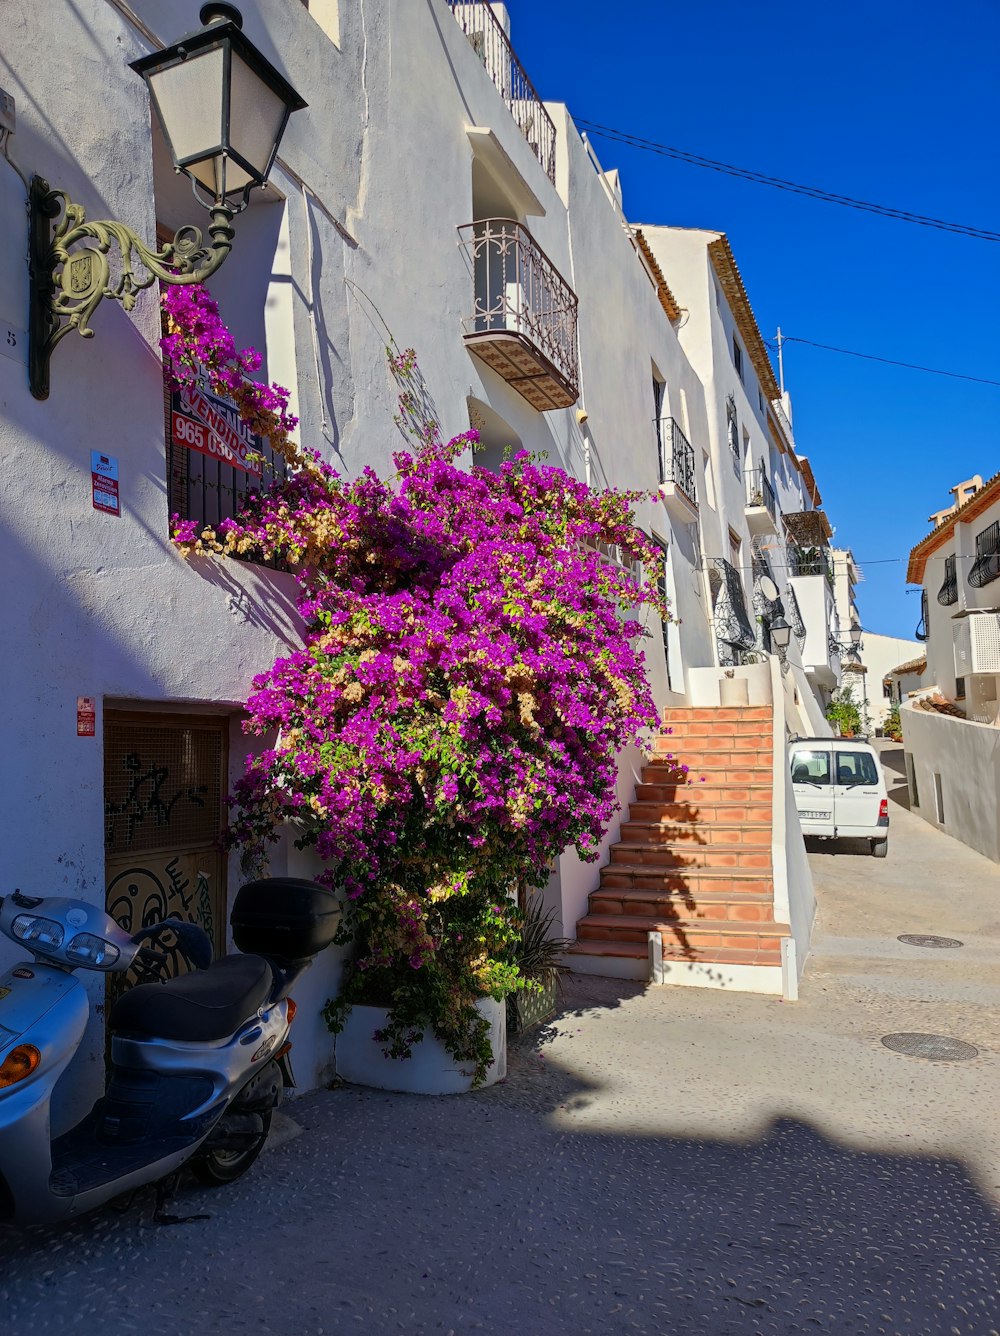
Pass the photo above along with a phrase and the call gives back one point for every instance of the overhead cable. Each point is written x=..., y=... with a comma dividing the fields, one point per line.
x=889, y=361
x=779, y=183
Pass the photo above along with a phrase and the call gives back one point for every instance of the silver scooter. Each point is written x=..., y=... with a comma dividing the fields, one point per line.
x=198, y=1063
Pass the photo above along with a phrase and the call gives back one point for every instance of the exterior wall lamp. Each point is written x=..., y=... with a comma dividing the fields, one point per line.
x=223, y=109
x=781, y=634
x=851, y=648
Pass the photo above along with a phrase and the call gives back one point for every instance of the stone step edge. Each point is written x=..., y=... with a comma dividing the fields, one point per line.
x=725, y=927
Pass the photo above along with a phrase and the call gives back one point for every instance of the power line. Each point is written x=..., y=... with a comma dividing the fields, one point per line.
x=888, y=361
x=779, y=183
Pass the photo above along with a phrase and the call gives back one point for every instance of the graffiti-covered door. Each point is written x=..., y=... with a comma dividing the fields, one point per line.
x=164, y=782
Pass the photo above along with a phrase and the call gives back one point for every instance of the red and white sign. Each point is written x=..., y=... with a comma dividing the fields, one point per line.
x=212, y=426
x=104, y=483
x=86, y=716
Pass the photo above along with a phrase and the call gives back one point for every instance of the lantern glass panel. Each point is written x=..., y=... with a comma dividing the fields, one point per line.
x=257, y=117
x=188, y=96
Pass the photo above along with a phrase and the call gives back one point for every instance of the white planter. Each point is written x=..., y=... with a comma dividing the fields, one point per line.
x=431, y=1070
x=734, y=691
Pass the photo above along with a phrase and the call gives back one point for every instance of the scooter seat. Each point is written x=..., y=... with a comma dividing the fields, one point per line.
x=204, y=1004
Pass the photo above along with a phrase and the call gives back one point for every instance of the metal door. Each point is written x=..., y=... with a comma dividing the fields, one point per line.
x=857, y=792
x=813, y=790
x=164, y=779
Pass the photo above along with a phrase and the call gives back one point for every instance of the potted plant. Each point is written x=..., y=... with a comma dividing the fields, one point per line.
x=453, y=720
x=538, y=954
x=844, y=713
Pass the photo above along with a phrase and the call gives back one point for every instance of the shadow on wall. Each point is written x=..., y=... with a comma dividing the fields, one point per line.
x=895, y=776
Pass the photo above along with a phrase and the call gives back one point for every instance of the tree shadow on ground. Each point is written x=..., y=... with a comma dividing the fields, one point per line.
x=553, y=1203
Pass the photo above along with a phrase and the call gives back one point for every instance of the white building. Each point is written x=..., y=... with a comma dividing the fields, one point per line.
x=423, y=162
x=950, y=725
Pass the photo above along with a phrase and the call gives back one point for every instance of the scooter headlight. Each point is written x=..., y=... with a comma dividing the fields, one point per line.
x=43, y=932
x=86, y=949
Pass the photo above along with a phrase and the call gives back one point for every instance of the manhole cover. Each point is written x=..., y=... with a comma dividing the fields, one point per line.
x=921, y=939
x=937, y=1047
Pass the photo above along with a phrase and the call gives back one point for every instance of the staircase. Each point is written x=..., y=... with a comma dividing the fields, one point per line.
x=694, y=861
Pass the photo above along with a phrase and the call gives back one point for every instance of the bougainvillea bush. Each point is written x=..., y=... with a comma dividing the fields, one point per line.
x=470, y=672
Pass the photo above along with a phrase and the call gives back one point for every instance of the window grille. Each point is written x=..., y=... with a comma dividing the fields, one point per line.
x=733, y=630
x=214, y=462
x=986, y=566
x=733, y=434
x=948, y=593
x=921, y=632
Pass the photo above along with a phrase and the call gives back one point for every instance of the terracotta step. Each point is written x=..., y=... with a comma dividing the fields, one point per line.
x=720, y=714
x=671, y=857
x=710, y=743
x=699, y=832
x=707, y=728
x=640, y=951
x=679, y=806
x=689, y=880
x=718, y=770
x=748, y=907
x=687, y=937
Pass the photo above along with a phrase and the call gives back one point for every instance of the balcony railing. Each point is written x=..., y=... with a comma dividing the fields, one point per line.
x=676, y=456
x=948, y=593
x=986, y=567
x=492, y=45
x=761, y=493
x=809, y=561
x=524, y=316
x=734, y=633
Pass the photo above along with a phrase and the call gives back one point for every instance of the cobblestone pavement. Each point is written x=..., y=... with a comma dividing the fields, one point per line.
x=657, y=1161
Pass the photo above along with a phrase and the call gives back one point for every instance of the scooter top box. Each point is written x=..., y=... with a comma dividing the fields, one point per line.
x=286, y=918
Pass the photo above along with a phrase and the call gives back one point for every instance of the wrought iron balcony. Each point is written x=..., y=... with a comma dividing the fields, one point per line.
x=524, y=316
x=676, y=456
x=762, y=504
x=734, y=632
x=948, y=593
x=492, y=45
x=809, y=561
x=986, y=567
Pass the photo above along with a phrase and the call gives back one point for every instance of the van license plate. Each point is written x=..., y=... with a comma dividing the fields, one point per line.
x=814, y=816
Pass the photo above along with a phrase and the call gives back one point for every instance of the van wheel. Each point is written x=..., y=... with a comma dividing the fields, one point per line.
x=880, y=848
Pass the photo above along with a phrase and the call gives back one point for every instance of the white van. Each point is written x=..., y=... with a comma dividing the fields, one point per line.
x=840, y=790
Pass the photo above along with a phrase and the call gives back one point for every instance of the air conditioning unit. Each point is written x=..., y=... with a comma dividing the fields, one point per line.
x=977, y=644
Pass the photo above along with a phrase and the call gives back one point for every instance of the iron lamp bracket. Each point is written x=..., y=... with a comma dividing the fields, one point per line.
x=69, y=278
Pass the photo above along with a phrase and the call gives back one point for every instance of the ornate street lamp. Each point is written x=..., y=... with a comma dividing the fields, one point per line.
x=781, y=634
x=223, y=108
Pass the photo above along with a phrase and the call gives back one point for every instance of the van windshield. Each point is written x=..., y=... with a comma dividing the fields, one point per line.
x=856, y=767
x=811, y=767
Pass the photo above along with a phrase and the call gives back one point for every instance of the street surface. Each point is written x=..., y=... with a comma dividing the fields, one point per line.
x=658, y=1161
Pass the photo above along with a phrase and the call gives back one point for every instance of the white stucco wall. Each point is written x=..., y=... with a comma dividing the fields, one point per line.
x=880, y=654
x=966, y=758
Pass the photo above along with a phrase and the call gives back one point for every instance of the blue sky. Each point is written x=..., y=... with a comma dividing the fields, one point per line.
x=890, y=102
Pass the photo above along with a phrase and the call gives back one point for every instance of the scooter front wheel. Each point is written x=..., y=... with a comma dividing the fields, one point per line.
x=219, y=1167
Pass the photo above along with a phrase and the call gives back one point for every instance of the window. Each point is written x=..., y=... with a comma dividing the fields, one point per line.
x=214, y=461
x=856, y=767
x=733, y=434
x=760, y=399
x=735, y=548
x=986, y=566
x=738, y=358
x=948, y=593
x=811, y=767
x=960, y=688
x=662, y=590
x=887, y=688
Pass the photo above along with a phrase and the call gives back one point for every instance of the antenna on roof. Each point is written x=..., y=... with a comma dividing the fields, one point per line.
x=781, y=365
